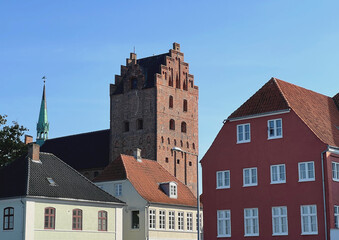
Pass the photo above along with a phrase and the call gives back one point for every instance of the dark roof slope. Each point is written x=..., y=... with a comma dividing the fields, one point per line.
x=317, y=111
x=25, y=177
x=151, y=66
x=145, y=177
x=81, y=151
x=336, y=100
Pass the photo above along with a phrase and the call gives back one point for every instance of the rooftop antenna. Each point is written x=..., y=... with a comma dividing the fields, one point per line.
x=134, y=49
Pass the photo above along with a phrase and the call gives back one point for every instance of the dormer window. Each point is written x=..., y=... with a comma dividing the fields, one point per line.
x=51, y=181
x=173, y=190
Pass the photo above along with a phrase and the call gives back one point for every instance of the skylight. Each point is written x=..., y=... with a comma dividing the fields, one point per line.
x=51, y=181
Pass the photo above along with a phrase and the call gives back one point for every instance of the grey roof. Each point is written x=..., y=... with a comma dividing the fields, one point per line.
x=25, y=177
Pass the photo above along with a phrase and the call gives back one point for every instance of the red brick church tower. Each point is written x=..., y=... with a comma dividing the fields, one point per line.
x=154, y=107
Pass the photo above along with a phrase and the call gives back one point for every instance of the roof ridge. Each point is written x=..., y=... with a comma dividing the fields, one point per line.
x=158, y=55
x=117, y=200
x=275, y=80
x=77, y=134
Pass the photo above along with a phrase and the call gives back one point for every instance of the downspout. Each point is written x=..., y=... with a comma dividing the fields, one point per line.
x=324, y=194
x=23, y=219
x=146, y=222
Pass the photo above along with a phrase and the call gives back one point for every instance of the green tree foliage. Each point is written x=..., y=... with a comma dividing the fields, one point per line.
x=11, y=147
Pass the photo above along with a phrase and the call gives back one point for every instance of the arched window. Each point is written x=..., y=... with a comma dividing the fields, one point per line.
x=102, y=221
x=168, y=141
x=170, y=81
x=170, y=102
x=183, y=127
x=49, y=218
x=193, y=145
x=185, y=85
x=126, y=126
x=9, y=218
x=162, y=139
x=185, y=105
x=175, y=142
x=172, y=124
x=77, y=219
x=187, y=145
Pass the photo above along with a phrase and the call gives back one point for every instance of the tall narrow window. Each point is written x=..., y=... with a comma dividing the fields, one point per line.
x=162, y=219
x=185, y=105
x=102, y=221
x=278, y=174
x=180, y=220
x=183, y=127
x=243, y=133
x=309, y=223
x=251, y=222
x=152, y=219
x=170, y=81
x=171, y=220
x=49, y=218
x=77, y=219
x=224, y=223
x=135, y=219
x=250, y=177
x=170, y=102
x=336, y=216
x=118, y=189
x=140, y=124
x=306, y=171
x=177, y=82
x=223, y=179
x=172, y=124
x=274, y=128
x=126, y=126
x=279, y=221
x=134, y=83
x=189, y=218
x=9, y=218
x=335, y=171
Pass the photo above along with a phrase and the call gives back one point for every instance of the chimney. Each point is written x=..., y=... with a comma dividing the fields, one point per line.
x=132, y=59
x=33, y=151
x=176, y=47
x=28, y=139
x=137, y=154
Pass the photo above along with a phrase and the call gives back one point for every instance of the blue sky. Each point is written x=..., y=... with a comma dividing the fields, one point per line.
x=233, y=48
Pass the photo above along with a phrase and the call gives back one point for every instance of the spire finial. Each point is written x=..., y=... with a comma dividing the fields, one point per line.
x=44, y=78
x=134, y=49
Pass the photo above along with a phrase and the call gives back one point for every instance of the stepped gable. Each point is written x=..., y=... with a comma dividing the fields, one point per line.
x=317, y=111
x=25, y=177
x=336, y=100
x=145, y=176
x=82, y=151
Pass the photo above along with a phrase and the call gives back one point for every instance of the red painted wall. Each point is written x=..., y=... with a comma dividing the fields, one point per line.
x=298, y=144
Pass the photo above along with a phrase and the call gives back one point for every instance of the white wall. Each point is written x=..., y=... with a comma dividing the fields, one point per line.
x=334, y=234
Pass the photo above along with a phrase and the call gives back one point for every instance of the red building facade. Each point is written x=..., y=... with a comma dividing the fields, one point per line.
x=272, y=172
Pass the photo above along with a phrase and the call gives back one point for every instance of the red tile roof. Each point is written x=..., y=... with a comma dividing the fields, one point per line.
x=319, y=112
x=146, y=176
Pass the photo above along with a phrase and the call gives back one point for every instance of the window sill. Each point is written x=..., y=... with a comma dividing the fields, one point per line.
x=335, y=180
x=278, y=182
x=307, y=180
x=311, y=233
x=271, y=138
x=222, y=236
x=251, y=235
x=250, y=185
x=239, y=142
x=223, y=187
x=280, y=234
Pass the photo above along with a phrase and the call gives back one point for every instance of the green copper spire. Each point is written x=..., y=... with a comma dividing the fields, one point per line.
x=43, y=125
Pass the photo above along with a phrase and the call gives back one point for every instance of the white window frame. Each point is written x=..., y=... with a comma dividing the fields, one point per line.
x=307, y=178
x=118, y=189
x=335, y=171
x=152, y=219
x=173, y=190
x=280, y=218
x=171, y=220
x=275, y=128
x=309, y=216
x=336, y=217
x=253, y=220
x=243, y=133
x=222, y=179
x=200, y=220
x=278, y=174
x=162, y=219
x=181, y=226
x=189, y=221
x=250, y=177
x=224, y=223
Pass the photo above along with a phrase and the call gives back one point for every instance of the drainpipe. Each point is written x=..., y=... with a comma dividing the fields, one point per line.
x=146, y=222
x=23, y=219
x=324, y=194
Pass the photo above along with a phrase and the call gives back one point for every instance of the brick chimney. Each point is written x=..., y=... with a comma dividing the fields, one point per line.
x=137, y=154
x=33, y=151
x=28, y=139
x=132, y=59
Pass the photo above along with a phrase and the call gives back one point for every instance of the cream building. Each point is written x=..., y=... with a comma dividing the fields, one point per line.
x=43, y=198
x=159, y=207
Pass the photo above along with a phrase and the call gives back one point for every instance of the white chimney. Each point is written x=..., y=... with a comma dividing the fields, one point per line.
x=137, y=154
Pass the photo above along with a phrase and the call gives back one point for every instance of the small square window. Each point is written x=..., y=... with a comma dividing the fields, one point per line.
x=278, y=174
x=274, y=128
x=223, y=179
x=306, y=171
x=250, y=177
x=243, y=133
x=335, y=171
